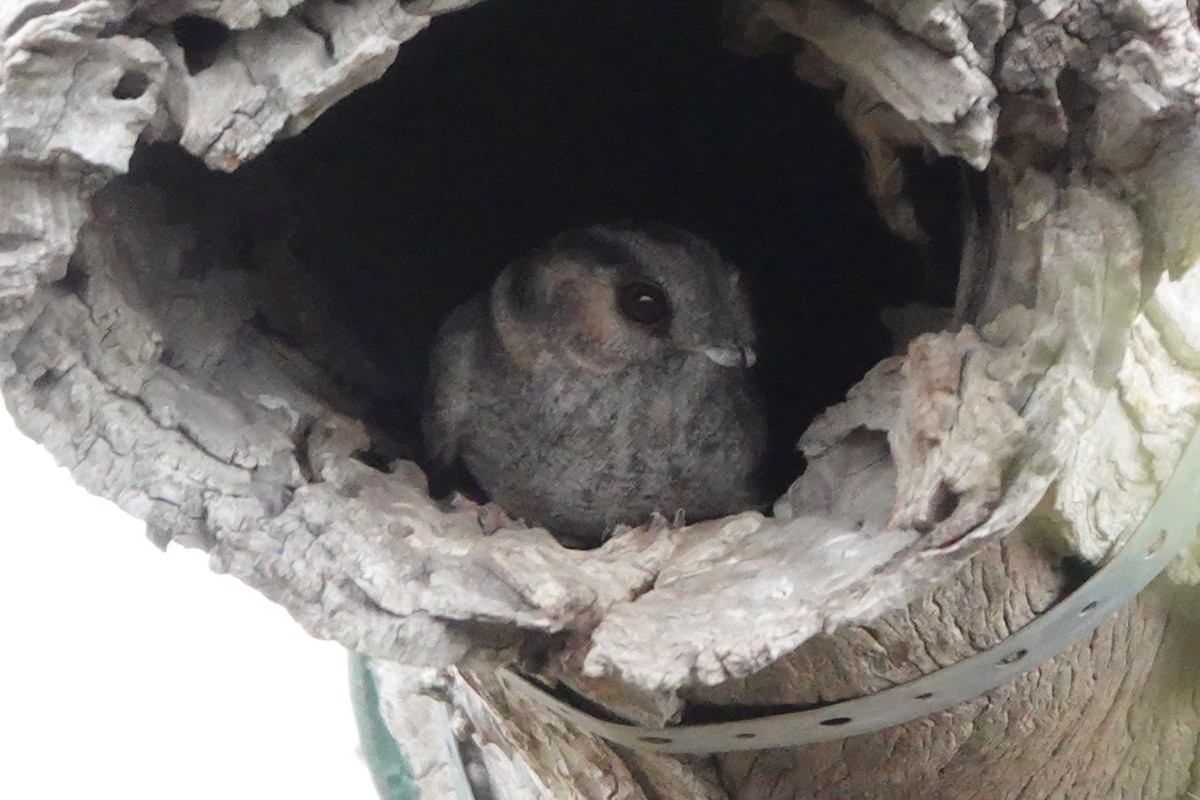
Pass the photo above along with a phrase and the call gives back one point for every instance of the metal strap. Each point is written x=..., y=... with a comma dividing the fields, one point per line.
x=1170, y=524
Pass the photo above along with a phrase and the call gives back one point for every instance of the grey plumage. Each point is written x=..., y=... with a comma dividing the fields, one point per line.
x=601, y=378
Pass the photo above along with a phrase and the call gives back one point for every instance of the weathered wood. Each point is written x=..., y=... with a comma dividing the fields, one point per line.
x=198, y=383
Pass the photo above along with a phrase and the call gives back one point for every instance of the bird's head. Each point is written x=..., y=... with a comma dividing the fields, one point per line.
x=610, y=296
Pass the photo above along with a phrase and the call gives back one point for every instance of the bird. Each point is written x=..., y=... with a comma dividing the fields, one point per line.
x=603, y=378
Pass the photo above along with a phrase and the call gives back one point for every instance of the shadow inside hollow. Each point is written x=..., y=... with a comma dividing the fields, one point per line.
x=504, y=124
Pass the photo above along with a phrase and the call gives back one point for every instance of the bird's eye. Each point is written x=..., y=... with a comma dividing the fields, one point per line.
x=644, y=302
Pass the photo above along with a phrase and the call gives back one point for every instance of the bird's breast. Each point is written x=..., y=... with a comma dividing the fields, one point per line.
x=575, y=452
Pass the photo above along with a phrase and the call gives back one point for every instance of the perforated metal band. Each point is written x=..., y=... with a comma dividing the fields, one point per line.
x=1170, y=524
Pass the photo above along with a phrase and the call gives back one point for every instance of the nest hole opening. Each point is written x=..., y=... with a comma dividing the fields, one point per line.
x=507, y=123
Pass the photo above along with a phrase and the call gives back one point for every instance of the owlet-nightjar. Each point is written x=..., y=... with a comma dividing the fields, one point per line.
x=604, y=376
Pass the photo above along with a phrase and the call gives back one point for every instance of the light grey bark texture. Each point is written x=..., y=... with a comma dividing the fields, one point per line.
x=136, y=345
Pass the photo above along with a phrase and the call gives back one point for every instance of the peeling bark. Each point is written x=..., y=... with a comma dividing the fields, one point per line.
x=198, y=380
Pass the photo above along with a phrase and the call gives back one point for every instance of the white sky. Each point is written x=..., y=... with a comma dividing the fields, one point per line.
x=126, y=672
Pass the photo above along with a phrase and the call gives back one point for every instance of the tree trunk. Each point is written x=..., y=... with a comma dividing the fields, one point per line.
x=165, y=332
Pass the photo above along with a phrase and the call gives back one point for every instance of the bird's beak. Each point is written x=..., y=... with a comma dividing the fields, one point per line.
x=733, y=355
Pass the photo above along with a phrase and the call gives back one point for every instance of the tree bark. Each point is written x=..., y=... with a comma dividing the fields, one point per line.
x=189, y=375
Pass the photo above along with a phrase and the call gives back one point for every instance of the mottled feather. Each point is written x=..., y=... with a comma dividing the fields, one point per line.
x=602, y=378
